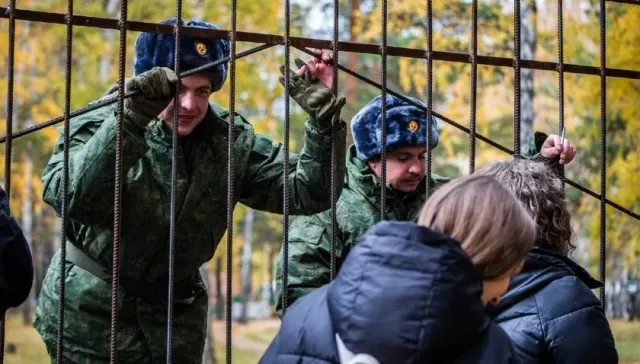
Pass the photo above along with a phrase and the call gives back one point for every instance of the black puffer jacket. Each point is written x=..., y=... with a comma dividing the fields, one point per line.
x=551, y=314
x=16, y=266
x=405, y=294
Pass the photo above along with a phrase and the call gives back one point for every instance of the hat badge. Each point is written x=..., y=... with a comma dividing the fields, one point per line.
x=413, y=126
x=201, y=48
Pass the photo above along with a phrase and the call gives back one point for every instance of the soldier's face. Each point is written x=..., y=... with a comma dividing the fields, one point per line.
x=194, y=101
x=405, y=167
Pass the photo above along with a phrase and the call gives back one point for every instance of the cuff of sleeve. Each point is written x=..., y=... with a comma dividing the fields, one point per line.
x=318, y=143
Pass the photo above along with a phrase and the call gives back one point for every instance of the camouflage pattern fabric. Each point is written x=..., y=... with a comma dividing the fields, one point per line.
x=201, y=207
x=357, y=209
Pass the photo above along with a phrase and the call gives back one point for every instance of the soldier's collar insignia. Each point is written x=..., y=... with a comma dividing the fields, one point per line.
x=201, y=48
x=413, y=126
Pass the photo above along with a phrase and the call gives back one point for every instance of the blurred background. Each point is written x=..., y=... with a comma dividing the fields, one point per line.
x=39, y=96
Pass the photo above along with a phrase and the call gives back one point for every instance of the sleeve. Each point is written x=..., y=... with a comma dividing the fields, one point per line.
x=92, y=157
x=581, y=335
x=16, y=264
x=309, y=259
x=309, y=172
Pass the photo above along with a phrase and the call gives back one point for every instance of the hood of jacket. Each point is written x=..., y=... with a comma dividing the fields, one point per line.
x=406, y=293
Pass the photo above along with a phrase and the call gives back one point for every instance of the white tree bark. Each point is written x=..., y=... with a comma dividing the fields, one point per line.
x=246, y=263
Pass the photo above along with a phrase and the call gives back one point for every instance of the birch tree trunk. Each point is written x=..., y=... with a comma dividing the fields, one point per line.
x=246, y=264
x=209, y=354
x=528, y=30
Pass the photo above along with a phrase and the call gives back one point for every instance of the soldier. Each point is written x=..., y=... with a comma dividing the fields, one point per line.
x=358, y=207
x=201, y=199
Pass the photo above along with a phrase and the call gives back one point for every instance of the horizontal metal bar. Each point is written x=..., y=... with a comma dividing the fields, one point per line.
x=632, y=2
x=299, y=42
x=468, y=131
x=274, y=39
x=113, y=100
x=609, y=202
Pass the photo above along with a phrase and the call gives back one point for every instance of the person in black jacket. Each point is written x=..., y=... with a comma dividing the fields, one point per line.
x=549, y=311
x=415, y=293
x=16, y=266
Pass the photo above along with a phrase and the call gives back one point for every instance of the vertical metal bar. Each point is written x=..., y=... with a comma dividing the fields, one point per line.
x=285, y=176
x=561, y=74
x=65, y=183
x=9, y=132
x=383, y=152
x=174, y=187
x=516, y=78
x=9, y=144
x=474, y=86
x=334, y=87
x=230, y=179
x=117, y=200
x=603, y=145
x=429, y=93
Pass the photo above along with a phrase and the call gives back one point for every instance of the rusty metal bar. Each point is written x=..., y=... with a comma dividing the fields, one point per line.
x=285, y=172
x=273, y=39
x=474, y=86
x=516, y=77
x=109, y=101
x=174, y=183
x=478, y=135
x=429, y=91
x=117, y=193
x=383, y=110
x=603, y=146
x=10, y=12
x=65, y=183
x=230, y=179
x=334, y=195
x=561, y=125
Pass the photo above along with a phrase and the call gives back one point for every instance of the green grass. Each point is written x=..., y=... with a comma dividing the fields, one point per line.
x=627, y=336
x=31, y=350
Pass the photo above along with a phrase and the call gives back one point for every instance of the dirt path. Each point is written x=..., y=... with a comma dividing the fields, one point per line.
x=239, y=334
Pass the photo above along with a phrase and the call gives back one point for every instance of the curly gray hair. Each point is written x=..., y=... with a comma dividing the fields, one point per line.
x=541, y=192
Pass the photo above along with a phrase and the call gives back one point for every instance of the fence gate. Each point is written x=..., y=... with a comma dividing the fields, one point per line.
x=265, y=41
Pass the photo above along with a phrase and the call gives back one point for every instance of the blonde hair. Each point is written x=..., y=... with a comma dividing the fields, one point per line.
x=488, y=220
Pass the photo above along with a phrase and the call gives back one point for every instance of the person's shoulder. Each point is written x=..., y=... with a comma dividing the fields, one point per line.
x=222, y=115
x=91, y=120
x=563, y=296
x=354, y=211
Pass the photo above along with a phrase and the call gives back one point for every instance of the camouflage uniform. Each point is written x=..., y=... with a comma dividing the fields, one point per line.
x=357, y=209
x=201, y=208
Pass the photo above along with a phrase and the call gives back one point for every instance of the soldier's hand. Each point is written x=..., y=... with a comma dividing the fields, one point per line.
x=157, y=89
x=314, y=97
x=554, y=147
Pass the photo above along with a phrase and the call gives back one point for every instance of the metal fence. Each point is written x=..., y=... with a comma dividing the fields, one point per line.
x=269, y=40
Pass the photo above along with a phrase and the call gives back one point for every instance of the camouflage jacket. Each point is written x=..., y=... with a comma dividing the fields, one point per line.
x=201, y=214
x=357, y=209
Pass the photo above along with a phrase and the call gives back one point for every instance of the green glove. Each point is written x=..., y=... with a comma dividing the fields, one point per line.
x=314, y=97
x=157, y=87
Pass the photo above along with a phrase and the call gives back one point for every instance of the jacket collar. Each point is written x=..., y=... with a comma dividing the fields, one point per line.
x=361, y=178
x=541, y=267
